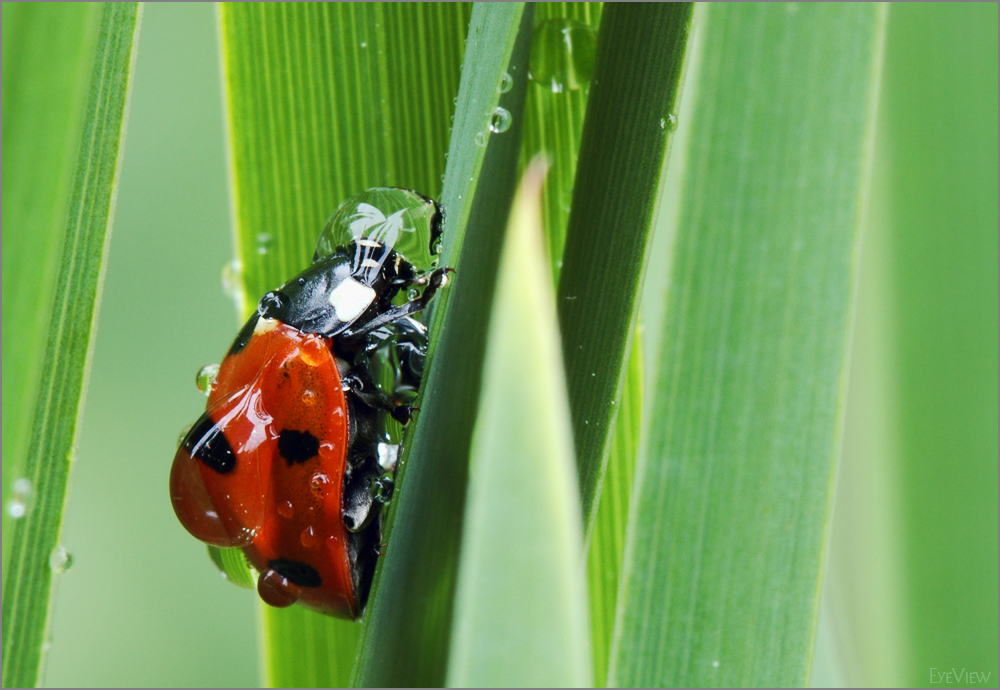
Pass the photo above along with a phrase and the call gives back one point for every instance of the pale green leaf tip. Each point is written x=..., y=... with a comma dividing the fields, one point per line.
x=521, y=615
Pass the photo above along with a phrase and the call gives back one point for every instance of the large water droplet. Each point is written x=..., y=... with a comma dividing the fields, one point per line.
x=481, y=139
x=22, y=498
x=563, y=53
x=500, y=120
x=61, y=560
x=276, y=590
x=205, y=379
x=393, y=218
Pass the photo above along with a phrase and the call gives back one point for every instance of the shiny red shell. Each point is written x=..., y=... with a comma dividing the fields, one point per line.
x=278, y=494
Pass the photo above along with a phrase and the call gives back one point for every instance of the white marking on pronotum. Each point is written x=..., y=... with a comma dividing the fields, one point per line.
x=264, y=325
x=350, y=299
x=369, y=263
x=369, y=243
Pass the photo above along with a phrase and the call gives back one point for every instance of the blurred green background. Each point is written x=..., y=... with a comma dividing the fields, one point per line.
x=142, y=604
x=912, y=568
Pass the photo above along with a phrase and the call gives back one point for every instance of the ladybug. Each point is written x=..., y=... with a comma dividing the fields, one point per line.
x=295, y=454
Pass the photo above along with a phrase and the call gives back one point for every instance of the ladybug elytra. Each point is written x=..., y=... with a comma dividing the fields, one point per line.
x=296, y=451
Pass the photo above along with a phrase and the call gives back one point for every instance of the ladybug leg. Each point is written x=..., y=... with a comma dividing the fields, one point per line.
x=435, y=280
x=359, y=383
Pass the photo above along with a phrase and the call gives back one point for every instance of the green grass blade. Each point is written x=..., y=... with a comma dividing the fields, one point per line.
x=724, y=549
x=636, y=82
x=79, y=204
x=553, y=124
x=607, y=541
x=326, y=100
x=917, y=495
x=46, y=75
x=520, y=612
x=947, y=320
x=408, y=623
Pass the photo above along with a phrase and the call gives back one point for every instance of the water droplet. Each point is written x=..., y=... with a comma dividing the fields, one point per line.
x=364, y=44
x=396, y=219
x=205, y=379
x=276, y=590
x=500, y=120
x=506, y=81
x=264, y=243
x=319, y=482
x=669, y=122
x=308, y=537
x=22, y=499
x=271, y=305
x=715, y=664
x=438, y=246
x=563, y=53
x=232, y=278
x=481, y=139
x=388, y=456
x=412, y=294
x=61, y=560
x=184, y=432
x=286, y=510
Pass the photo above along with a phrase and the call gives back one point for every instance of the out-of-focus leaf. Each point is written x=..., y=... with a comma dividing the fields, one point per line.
x=62, y=168
x=521, y=609
x=723, y=555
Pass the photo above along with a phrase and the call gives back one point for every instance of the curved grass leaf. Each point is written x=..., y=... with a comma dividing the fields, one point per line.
x=324, y=101
x=520, y=611
x=408, y=623
x=723, y=554
x=637, y=78
x=76, y=174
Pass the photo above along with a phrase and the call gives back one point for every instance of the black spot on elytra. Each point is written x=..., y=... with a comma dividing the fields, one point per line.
x=297, y=446
x=207, y=443
x=296, y=572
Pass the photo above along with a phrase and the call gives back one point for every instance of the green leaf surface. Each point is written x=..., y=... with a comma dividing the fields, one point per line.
x=521, y=607
x=553, y=125
x=723, y=554
x=57, y=213
x=917, y=493
x=637, y=79
x=607, y=540
x=46, y=76
x=324, y=101
x=408, y=623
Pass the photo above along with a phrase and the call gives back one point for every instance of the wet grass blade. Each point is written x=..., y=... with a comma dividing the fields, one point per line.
x=521, y=611
x=66, y=78
x=324, y=101
x=553, y=120
x=637, y=78
x=408, y=623
x=723, y=555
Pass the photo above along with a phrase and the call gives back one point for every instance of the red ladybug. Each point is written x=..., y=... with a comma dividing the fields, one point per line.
x=293, y=457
